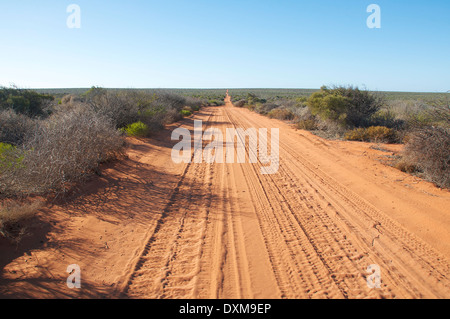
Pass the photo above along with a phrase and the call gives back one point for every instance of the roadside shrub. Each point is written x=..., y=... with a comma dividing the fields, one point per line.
x=329, y=107
x=51, y=154
x=122, y=108
x=14, y=128
x=357, y=134
x=170, y=116
x=406, y=166
x=264, y=108
x=381, y=134
x=239, y=103
x=437, y=113
x=347, y=106
x=329, y=129
x=194, y=103
x=371, y=134
x=137, y=129
x=281, y=114
x=309, y=125
x=170, y=100
x=214, y=103
x=387, y=118
x=12, y=218
x=186, y=112
x=162, y=108
x=154, y=109
x=254, y=99
x=250, y=107
x=64, y=149
x=429, y=149
x=10, y=157
x=406, y=110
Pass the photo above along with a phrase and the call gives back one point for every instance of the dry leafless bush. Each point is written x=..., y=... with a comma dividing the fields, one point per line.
x=171, y=116
x=195, y=102
x=429, y=150
x=239, y=103
x=264, y=108
x=377, y=134
x=302, y=113
x=404, y=109
x=281, y=113
x=428, y=146
x=70, y=99
x=170, y=100
x=12, y=217
x=64, y=149
x=122, y=108
x=15, y=127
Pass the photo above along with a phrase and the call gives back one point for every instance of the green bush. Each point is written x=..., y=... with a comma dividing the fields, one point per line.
x=25, y=102
x=52, y=153
x=10, y=157
x=347, y=106
x=4, y=147
x=329, y=107
x=254, y=99
x=137, y=129
x=215, y=102
x=186, y=112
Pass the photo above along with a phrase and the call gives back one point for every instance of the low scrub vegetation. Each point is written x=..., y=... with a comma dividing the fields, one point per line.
x=137, y=129
x=13, y=218
x=427, y=147
x=48, y=149
x=371, y=134
x=48, y=145
x=309, y=125
x=418, y=120
x=281, y=114
x=63, y=149
x=348, y=106
x=186, y=112
x=216, y=102
x=25, y=102
x=14, y=128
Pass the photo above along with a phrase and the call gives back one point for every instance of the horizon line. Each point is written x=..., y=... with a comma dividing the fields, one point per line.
x=219, y=88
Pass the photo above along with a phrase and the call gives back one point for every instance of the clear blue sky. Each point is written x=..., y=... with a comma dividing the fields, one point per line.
x=226, y=44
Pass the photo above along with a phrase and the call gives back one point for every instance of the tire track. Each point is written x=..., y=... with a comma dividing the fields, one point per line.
x=333, y=199
x=226, y=228
x=294, y=280
x=170, y=259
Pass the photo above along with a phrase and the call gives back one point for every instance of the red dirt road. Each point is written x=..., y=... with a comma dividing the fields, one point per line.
x=150, y=228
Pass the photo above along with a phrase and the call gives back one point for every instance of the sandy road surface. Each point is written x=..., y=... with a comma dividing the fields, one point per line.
x=298, y=233
x=201, y=230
